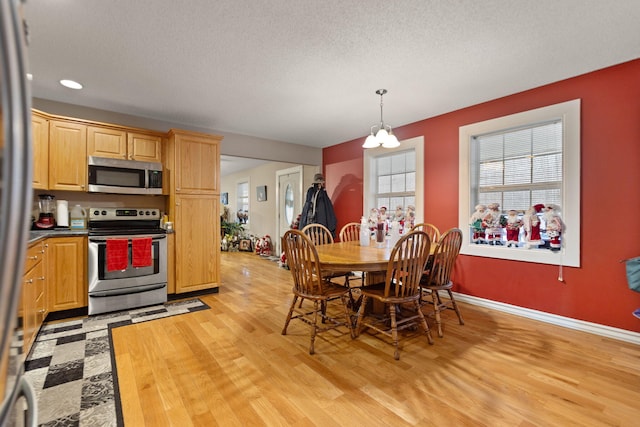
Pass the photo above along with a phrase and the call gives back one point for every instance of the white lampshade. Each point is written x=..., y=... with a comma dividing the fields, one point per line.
x=370, y=142
x=382, y=135
x=391, y=141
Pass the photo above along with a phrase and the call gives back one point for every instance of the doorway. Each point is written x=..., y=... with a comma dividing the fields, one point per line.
x=289, y=195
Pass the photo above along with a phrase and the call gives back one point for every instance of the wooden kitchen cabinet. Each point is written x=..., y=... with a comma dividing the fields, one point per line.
x=197, y=242
x=66, y=272
x=115, y=143
x=40, y=135
x=34, y=307
x=67, y=155
x=194, y=160
x=144, y=147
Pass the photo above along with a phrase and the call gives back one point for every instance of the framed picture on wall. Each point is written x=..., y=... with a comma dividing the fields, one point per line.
x=261, y=190
x=224, y=198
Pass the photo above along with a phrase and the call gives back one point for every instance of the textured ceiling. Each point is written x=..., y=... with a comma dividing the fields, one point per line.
x=306, y=72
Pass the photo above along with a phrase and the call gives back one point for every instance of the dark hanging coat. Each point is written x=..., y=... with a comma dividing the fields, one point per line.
x=318, y=209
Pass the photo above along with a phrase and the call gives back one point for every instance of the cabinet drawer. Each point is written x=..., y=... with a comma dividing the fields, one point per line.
x=35, y=254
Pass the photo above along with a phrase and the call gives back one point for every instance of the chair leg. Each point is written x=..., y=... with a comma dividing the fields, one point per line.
x=423, y=323
x=394, y=331
x=455, y=307
x=347, y=315
x=436, y=310
x=314, y=327
x=363, y=304
x=286, y=322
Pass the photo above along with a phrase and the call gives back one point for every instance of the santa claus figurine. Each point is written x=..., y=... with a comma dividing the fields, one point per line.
x=476, y=224
x=513, y=228
x=554, y=225
x=531, y=223
x=493, y=222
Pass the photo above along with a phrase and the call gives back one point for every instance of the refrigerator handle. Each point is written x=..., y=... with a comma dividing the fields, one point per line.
x=32, y=403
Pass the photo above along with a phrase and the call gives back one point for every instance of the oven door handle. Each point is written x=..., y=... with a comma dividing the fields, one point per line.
x=127, y=291
x=104, y=239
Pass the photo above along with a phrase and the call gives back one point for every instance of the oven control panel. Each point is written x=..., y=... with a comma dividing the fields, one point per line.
x=124, y=214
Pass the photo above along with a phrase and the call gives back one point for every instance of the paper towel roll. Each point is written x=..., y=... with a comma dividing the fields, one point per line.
x=62, y=213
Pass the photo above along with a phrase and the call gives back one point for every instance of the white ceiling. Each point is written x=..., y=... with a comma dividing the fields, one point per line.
x=306, y=72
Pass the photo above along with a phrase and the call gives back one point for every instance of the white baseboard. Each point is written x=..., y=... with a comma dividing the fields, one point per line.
x=554, y=319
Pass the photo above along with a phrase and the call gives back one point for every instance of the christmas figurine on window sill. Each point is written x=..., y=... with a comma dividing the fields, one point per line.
x=554, y=225
x=476, y=224
x=494, y=222
x=531, y=223
x=513, y=228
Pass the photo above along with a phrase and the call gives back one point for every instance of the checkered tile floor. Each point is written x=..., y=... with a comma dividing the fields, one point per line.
x=71, y=366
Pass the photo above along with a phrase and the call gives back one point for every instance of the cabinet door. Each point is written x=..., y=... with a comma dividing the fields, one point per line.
x=67, y=156
x=197, y=243
x=106, y=142
x=146, y=148
x=66, y=273
x=197, y=164
x=40, y=130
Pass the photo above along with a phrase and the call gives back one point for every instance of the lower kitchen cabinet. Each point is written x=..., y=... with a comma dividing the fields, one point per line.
x=197, y=242
x=66, y=272
x=34, y=307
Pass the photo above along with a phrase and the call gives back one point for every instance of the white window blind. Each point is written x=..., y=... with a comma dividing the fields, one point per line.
x=519, y=167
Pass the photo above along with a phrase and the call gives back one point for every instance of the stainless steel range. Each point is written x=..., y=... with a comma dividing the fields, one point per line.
x=127, y=259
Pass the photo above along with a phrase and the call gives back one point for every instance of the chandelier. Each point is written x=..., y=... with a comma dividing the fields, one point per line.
x=381, y=134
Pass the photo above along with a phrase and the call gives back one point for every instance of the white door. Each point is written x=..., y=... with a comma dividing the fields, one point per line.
x=290, y=200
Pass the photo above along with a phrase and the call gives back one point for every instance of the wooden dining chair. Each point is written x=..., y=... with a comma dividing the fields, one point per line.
x=430, y=229
x=309, y=284
x=401, y=286
x=320, y=235
x=350, y=232
x=438, y=276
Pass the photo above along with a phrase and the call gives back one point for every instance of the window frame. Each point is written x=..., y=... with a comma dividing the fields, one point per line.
x=240, y=182
x=569, y=113
x=370, y=176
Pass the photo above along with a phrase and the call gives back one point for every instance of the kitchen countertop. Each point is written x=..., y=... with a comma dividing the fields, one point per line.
x=35, y=235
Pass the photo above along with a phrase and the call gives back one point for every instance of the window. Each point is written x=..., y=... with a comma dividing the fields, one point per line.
x=243, y=202
x=518, y=161
x=394, y=177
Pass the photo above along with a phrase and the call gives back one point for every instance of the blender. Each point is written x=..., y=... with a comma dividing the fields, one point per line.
x=46, y=218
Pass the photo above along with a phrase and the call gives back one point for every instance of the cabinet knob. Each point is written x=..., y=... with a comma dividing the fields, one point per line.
x=28, y=281
x=41, y=278
x=33, y=258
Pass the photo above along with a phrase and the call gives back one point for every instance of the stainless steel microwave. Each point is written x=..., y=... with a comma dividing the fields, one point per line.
x=119, y=176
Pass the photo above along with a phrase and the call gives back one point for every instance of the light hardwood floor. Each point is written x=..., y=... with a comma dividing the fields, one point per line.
x=231, y=366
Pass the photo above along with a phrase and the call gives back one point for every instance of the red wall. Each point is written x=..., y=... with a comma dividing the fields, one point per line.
x=597, y=291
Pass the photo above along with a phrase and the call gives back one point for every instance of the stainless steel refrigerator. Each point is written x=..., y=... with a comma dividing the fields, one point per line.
x=16, y=395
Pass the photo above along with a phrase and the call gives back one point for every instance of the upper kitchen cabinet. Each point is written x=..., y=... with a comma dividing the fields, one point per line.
x=40, y=132
x=193, y=160
x=67, y=155
x=144, y=147
x=115, y=143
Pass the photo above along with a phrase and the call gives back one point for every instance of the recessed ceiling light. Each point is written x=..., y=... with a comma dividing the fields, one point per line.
x=29, y=76
x=70, y=84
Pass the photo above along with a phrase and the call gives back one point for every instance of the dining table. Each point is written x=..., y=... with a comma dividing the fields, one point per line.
x=351, y=256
